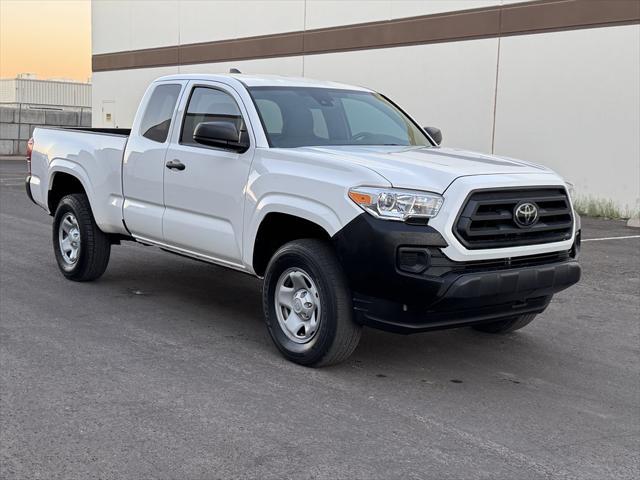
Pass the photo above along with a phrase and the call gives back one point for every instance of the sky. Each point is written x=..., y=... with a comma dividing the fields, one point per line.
x=51, y=38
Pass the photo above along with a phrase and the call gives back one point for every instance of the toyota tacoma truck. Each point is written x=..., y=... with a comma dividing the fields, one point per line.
x=351, y=212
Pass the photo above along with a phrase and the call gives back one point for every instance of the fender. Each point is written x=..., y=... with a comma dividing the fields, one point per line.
x=106, y=208
x=62, y=165
x=303, y=207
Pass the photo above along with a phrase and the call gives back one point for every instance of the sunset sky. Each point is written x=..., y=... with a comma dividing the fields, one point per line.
x=51, y=38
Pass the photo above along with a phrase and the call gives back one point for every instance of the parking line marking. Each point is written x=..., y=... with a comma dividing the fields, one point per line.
x=609, y=238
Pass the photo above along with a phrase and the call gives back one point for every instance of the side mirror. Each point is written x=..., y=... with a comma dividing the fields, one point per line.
x=222, y=135
x=434, y=133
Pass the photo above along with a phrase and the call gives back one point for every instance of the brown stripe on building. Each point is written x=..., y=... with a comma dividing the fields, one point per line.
x=489, y=22
x=266, y=46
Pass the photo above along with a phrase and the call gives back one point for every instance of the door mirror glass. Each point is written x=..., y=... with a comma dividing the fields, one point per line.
x=434, y=133
x=221, y=134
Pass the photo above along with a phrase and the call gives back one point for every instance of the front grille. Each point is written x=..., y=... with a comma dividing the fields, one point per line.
x=487, y=219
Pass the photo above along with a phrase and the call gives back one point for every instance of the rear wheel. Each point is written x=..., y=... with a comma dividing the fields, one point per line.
x=506, y=326
x=82, y=250
x=307, y=304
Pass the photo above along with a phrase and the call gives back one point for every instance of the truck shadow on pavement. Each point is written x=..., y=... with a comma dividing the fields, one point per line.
x=196, y=295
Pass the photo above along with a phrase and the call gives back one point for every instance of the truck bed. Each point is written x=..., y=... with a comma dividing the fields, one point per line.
x=92, y=155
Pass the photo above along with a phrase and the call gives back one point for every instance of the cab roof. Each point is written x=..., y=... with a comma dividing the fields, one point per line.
x=264, y=80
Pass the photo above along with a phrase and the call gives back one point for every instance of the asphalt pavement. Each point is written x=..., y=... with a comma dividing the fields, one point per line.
x=163, y=369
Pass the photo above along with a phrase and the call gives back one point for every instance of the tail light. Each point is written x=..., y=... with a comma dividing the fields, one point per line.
x=29, y=152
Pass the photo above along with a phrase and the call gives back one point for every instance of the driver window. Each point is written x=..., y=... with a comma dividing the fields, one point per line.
x=208, y=105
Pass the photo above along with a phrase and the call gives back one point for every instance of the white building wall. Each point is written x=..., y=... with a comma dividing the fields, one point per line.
x=123, y=89
x=566, y=99
x=120, y=25
x=431, y=82
x=331, y=13
x=571, y=100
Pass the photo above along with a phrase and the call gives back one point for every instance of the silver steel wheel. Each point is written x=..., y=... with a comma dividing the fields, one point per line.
x=69, y=239
x=297, y=305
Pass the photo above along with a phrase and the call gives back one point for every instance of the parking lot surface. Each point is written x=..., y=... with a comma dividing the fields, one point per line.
x=163, y=369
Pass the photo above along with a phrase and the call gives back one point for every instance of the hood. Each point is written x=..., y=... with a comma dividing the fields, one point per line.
x=427, y=168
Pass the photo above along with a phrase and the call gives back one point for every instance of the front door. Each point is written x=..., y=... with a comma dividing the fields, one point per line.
x=204, y=186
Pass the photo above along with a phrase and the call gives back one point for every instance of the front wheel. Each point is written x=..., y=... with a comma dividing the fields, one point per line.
x=506, y=326
x=82, y=250
x=307, y=304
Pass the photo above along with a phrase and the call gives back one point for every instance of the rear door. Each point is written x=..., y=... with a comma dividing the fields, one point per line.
x=204, y=199
x=143, y=167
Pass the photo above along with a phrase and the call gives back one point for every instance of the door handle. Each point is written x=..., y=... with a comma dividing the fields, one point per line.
x=175, y=165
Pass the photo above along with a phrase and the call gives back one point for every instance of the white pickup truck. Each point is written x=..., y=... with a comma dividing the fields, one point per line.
x=350, y=211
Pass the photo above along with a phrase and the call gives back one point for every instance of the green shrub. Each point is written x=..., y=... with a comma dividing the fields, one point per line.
x=601, y=207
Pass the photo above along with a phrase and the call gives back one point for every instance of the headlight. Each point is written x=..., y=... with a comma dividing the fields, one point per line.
x=394, y=204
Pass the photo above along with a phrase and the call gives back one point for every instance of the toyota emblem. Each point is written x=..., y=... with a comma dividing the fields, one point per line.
x=525, y=214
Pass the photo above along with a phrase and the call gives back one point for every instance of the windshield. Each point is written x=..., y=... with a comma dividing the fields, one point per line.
x=302, y=116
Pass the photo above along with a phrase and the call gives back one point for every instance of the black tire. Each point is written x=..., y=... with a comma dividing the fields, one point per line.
x=337, y=335
x=506, y=326
x=95, y=247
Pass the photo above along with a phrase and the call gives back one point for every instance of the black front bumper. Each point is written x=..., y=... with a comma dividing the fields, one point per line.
x=391, y=295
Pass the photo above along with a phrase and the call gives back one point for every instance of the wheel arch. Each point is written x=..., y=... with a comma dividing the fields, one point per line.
x=306, y=215
x=277, y=229
x=64, y=180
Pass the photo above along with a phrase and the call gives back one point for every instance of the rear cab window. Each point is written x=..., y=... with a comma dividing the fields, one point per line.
x=156, y=119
